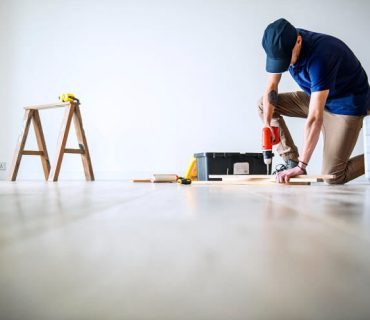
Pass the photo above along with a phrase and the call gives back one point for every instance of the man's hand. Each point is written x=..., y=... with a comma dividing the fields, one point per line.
x=311, y=134
x=284, y=176
x=272, y=132
x=314, y=123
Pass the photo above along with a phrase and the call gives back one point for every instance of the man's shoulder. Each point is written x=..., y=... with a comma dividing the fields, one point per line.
x=321, y=48
x=319, y=39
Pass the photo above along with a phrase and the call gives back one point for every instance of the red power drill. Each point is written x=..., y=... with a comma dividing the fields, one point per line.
x=267, y=142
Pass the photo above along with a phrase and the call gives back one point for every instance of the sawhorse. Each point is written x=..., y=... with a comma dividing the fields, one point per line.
x=32, y=114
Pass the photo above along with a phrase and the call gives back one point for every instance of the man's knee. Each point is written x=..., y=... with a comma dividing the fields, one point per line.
x=336, y=180
x=339, y=176
x=344, y=171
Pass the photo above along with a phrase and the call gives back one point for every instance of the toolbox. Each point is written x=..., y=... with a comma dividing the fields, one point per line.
x=212, y=163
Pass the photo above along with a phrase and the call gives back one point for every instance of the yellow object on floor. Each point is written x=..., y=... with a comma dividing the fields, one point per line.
x=191, y=171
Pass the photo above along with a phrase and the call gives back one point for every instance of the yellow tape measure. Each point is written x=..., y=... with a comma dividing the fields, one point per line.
x=68, y=97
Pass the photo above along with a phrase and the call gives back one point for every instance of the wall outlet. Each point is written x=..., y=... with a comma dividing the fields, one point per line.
x=2, y=166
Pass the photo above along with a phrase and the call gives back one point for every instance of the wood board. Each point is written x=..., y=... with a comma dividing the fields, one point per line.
x=262, y=179
x=48, y=106
x=300, y=178
x=159, y=178
x=249, y=182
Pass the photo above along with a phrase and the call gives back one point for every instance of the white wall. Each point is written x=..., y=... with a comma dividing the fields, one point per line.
x=158, y=80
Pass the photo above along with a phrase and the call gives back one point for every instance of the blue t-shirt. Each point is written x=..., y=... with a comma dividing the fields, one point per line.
x=325, y=63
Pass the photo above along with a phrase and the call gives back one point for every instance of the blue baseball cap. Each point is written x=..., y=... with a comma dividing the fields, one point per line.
x=278, y=41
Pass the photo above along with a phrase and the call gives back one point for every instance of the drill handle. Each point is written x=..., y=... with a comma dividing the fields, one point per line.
x=270, y=137
x=276, y=137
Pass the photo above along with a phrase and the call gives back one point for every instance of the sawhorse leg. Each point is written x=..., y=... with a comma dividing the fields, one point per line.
x=30, y=115
x=73, y=112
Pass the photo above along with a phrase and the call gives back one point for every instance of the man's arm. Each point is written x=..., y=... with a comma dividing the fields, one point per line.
x=270, y=97
x=311, y=133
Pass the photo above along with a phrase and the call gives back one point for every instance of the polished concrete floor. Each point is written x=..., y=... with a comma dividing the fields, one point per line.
x=117, y=250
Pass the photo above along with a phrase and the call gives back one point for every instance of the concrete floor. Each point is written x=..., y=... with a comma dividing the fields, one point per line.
x=117, y=250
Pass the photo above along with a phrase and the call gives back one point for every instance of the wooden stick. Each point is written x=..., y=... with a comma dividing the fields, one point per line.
x=63, y=136
x=82, y=142
x=41, y=144
x=32, y=153
x=75, y=151
x=142, y=180
x=20, y=145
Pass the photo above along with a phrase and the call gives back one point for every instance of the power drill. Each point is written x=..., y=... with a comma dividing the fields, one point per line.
x=267, y=142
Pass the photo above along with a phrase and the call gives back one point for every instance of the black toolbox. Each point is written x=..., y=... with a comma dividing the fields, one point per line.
x=214, y=163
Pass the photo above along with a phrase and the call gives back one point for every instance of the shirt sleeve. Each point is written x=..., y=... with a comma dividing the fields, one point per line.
x=323, y=72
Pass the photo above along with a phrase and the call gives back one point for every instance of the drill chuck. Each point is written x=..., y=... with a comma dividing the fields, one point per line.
x=267, y=156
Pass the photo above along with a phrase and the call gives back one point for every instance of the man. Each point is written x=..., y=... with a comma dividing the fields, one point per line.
x=335, y=98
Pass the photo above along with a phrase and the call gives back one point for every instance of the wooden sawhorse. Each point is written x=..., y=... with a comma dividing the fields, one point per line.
x=32, y=114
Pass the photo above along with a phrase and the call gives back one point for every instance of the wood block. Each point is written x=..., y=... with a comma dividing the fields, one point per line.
x=159, y=178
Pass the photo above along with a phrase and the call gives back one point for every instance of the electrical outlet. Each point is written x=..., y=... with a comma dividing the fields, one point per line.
x=2, y=166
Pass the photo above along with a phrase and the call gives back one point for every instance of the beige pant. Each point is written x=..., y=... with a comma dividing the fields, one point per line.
x=340, y=133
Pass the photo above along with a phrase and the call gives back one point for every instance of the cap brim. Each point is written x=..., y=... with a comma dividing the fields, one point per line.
x=277, y=65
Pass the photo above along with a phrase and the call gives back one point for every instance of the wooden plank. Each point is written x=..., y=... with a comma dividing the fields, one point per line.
x=273, y=179
x=20, y=145
x=170, y=177
x=312, y=178
x=48, y=106
x=75, y=151
x=250, y=182
x=159, y=178
x=63, y=136
x=82, y=141
x=32, y=153
x=41, y=144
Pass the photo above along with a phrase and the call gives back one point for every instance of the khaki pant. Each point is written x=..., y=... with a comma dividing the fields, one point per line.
x=340, y=133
